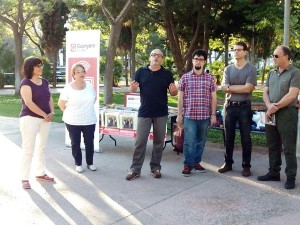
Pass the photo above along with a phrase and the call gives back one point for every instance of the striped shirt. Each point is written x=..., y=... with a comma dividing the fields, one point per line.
x=197, y=91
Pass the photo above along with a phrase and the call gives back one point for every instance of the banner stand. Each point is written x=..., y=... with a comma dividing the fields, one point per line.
x=83, y=47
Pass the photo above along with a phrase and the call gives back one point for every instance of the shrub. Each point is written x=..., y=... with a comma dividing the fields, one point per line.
x=216, y=69
x=117, y=72
x=47, y=71
x=296, y=64
x=9, y=78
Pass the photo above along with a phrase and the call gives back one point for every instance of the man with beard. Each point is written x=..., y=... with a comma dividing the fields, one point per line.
x=239, y=81
x=154, y=82
x=197, y=102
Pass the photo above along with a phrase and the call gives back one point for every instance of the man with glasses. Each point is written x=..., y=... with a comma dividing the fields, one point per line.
x=197, y=102
x=154, y=82
x=239, y=81
x=280, y=96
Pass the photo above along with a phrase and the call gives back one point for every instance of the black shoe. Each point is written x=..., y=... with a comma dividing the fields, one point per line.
x=225, y=168
x=290, y=183
x=246, y=172
x=269, y=177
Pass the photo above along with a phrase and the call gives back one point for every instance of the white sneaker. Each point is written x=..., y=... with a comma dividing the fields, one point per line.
x=79, y=169
x=92, y=167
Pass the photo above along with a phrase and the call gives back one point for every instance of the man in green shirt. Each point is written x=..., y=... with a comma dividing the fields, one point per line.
x=280, y=96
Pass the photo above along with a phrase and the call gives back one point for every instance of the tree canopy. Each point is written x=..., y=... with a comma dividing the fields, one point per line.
x=130, y=29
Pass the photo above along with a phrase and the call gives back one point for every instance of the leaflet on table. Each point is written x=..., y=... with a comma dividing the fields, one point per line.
x=111, y=119
x=173, y=111
x=124, y=119
x=132, y=100
x=128, y=120
x=114, y=118
x=270, y=121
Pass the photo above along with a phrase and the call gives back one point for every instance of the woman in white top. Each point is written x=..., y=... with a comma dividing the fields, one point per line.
x=77, y=103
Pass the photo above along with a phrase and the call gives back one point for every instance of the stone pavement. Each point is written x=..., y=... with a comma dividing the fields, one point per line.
x=105, y=197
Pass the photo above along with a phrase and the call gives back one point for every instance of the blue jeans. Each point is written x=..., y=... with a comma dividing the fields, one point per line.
x=243, y=115
x=195, y=133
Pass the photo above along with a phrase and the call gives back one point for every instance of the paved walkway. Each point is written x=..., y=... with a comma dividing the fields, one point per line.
x=105, y=197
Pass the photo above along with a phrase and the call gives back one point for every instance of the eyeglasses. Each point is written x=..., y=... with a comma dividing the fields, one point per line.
x=199, y=59
x=156, y=55
x=275, y=56
x=237, y=49
x=39, y=66
x=79, y=72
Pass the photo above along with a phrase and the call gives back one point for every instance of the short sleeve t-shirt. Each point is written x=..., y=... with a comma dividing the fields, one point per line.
x=153, y=91
x=80, y=105
x=235, y=76
x=40, y=96
x=280, y=83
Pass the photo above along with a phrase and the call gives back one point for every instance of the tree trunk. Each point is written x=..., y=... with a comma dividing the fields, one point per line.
x=54, y=63
x=205, y=37
x=132, y=50
x=263, y=72
x=170, y=27
x=110, y=56
x=253, y=60
x=116, y=26
x=226, y=43
x=18, y=59
x=126, y=67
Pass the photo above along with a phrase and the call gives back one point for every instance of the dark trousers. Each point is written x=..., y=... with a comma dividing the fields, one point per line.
x=88, y=137
x=243, y=115
x=283, y=134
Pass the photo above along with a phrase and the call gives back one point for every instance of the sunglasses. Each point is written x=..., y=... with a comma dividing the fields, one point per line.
x=275, y=56
x=39, y=66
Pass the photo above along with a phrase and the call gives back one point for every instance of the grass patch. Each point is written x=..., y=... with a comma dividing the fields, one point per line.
x=10, y=106
x=256, y=96
x=216, y=136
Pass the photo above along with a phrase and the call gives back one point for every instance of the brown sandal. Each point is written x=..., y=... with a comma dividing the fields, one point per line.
x=45, y=177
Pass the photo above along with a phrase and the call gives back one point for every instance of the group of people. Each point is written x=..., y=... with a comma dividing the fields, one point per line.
x=197, y=105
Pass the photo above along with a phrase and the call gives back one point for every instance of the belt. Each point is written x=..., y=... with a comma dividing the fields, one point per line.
x=231, y=103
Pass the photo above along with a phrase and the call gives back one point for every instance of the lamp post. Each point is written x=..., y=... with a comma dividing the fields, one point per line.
x=287, y=12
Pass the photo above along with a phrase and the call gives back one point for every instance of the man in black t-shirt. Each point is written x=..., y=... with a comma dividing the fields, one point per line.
x=154, y=81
